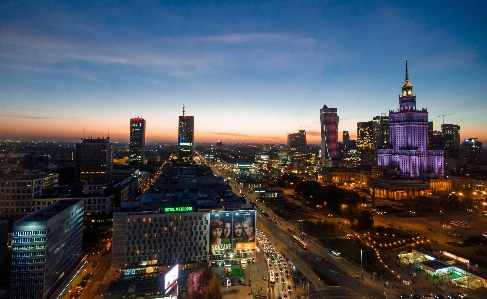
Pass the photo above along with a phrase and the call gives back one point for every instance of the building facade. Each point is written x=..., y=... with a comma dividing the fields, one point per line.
x=381, y=131
x=149, y=240
x=137, y=140
x=185, y=139
x=47, y=245
x=296, y=144
x=408, y=129
x=365, y=136
x=329, y=134
x=21, y=195
x=93, y=162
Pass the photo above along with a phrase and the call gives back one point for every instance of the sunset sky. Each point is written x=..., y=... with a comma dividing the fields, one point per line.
x=252, y=71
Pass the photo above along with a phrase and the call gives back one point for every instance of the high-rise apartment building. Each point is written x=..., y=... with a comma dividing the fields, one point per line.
x=137, y=140
x=451, y=133
x=94, y=162
x=329, y=134
x=472, y=150
x=185, y=139
x=346, y=139
x=47, y=245
x=365, y=136
x=408, y=131
x=296, y=144
x=381, y=131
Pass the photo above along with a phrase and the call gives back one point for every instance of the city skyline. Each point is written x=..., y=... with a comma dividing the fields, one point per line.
x=248, y=72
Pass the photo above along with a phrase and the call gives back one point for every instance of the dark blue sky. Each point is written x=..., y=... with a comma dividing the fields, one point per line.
x=249, y=71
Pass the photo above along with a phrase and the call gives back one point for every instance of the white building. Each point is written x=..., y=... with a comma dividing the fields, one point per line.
x=408, y=133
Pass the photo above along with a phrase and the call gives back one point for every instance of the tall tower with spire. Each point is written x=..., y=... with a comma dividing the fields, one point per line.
x=408, y=138
x=185, y=138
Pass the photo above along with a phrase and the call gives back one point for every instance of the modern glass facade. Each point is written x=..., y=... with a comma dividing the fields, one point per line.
x=137, y=140
x=46, y=247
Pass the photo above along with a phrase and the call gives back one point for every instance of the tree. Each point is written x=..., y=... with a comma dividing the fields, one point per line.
x=365, y=220
x=203, y=284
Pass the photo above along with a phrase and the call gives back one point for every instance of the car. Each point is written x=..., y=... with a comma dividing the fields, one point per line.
x=404, y=296
x=287, y=272
x=336, y=253
x=224, y=281
x=264, y=277
x=415, y=296
x=325, y=260
x=282, y=280
x=439, y=296
x=428, y=297
x=242, y=281
x=452, y=296
x=234, y=283
x=289, y=288
x=277, y=275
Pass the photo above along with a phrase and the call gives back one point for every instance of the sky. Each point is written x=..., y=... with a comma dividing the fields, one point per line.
x=248, y=71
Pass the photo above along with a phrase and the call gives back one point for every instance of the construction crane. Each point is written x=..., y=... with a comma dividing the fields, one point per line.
x=443, y=115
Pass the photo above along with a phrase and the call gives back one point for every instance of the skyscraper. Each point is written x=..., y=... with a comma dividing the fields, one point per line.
x=451, y=133
x=381, y=131
x=329, y=134
x=94, y=162
x=408, y=151
x=365, y=141
x=346, y=139
x=137, y=140
x=185, y=138
x=296, y=144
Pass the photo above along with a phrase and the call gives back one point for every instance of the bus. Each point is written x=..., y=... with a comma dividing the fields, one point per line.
x=272, y=278
x=300, y=242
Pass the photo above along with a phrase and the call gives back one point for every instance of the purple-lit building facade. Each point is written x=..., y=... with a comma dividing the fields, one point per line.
x=329, y=134
x=408, y=135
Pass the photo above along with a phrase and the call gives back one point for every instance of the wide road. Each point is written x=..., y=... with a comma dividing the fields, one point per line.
x=337, y=268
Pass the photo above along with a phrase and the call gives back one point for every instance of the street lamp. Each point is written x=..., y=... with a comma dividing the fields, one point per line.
x=228, y=280
x=302, y=227
x=361, y=264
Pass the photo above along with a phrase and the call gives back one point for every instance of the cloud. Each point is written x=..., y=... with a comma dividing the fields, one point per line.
x=37, y=117
x=245, y=136
x=233, y=38
x=313, y=133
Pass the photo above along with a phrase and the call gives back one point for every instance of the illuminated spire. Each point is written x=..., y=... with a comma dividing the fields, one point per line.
x=407, y=84
x=407, y=77
x=183, y=109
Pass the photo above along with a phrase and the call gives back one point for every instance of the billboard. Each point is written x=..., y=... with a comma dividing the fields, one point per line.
x=232, y=232
x=170, y=278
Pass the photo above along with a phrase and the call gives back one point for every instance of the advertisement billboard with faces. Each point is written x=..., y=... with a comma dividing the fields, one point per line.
x=232, y=232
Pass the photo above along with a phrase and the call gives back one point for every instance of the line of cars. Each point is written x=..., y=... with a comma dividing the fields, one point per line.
x=431, y=296
x=232, y=281
x=80, y=287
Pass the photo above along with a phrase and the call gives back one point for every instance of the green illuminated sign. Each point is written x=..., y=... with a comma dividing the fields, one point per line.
x=178, y=209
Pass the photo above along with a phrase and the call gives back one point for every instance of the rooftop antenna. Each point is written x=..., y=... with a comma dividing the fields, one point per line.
x=183, y=109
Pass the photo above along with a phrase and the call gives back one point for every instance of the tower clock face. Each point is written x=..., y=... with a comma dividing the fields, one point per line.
x=404, y=93
x=409, y=92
